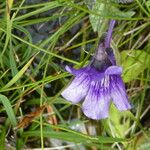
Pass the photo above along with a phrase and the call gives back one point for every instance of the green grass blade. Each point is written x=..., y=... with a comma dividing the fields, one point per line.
x=6, y=103
x=19, y=74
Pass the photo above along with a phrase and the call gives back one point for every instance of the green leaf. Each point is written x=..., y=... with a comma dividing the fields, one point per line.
x=6, y=103
x=106, y=10
x=96, y=20
x=120, y=121
x=72, y=137
x=147, y=3
x=115, y=12
x=142, y=142
x=134, y=62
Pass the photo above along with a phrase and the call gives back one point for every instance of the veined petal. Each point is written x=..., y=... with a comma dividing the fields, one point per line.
x=77, y=90
x=96, y=104
x=118, y=93
x=116, y=70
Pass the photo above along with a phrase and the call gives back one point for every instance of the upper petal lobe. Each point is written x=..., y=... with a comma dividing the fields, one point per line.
x=116, y=70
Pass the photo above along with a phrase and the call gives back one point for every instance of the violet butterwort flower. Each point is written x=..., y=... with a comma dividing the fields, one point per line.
x=98, y=84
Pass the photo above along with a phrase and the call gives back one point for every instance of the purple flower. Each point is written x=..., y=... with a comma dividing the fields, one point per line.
x=98, y=84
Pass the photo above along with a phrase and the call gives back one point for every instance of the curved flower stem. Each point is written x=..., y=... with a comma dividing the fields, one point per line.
x=109, y=33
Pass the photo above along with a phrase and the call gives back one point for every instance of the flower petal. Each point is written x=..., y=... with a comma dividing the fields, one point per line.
x=96, y=104
x=77, y=71
x=118, y=93
x=77, y=90
x=74, y=71
x=114, y=70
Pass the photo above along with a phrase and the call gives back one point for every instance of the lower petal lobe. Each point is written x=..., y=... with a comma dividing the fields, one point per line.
x=78, y=89
x=96, y=104
x=118, y=93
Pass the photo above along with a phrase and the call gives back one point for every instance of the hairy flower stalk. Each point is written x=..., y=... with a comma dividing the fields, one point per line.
x=98, y=83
